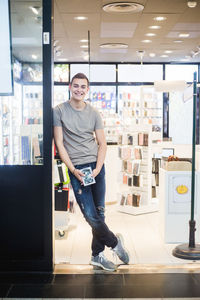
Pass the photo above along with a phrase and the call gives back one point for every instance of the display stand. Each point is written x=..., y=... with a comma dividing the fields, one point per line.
x=175, y=205
x=136, y=176
x=30, y=146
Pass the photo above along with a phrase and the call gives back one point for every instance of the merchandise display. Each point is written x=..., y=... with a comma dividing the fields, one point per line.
x=32, y=104
x=10, y=121
x=103, y=98
x=141, y=105
x=136, y=174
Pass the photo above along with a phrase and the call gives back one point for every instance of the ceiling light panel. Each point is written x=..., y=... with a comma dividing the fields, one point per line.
x=150, y=34
x=160, y=18
x=123, y=7
x=154, y=27
x=80, y=18
x=146, y=41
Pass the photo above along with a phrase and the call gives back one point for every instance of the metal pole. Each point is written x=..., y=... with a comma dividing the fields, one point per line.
x=192, y=221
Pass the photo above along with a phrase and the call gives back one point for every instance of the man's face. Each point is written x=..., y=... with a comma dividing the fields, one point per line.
x=79, y=89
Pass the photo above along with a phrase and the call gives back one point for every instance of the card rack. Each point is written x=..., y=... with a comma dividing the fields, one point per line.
x=136, y=171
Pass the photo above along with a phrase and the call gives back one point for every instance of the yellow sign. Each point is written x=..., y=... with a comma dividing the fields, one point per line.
x=182, y=189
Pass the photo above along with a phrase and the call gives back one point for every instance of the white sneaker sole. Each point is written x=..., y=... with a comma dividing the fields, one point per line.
x=101, y=266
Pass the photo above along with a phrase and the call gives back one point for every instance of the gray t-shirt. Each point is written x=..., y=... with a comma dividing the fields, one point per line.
x=78, y=131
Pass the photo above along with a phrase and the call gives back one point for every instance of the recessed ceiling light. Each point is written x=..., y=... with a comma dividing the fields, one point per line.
x=123, y=7
x=184, y=35
x=192, y=4
x=114, y=46
x=146, y=41
x=80, y=18
x=150, y=34
x=34, y=56
x=178, y=41
x=84, y=46
x=152, y=54
x=160, y=18
x=164, y=55
x=154, y=27
x=168, y=51
x=62, y=59
x=83, y=41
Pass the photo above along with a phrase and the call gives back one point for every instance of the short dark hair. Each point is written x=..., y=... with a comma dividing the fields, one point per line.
x=80, y=76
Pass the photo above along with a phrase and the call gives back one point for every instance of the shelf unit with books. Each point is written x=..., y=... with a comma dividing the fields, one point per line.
x=136, y=174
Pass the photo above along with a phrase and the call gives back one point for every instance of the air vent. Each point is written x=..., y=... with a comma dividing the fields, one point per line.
x=123, y=7
x=114, y=46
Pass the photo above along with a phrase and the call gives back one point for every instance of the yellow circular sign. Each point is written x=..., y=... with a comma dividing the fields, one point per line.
x=182, y=189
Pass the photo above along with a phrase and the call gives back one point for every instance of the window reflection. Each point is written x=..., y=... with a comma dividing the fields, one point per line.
x=21, y=115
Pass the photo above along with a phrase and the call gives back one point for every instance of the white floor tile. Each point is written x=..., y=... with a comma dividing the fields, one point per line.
x=141, y=234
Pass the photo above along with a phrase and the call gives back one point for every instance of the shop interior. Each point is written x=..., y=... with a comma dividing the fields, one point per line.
x=127, y=50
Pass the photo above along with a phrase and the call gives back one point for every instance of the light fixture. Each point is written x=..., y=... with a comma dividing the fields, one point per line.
x=35, y=9
x=178, y=41
x=83, y=41
x=80, y=18
x=184, y=35
x=168, y=51
x=113, y=46
x=84, y=46
x=154, y=27
x=191, y=4
x=146, y=41
x=150, y=34
x=160, y=18
x=34, y=56
x=164, y=55
x=141, y=53
x=62, y=59
x=152, y=54
x=123, y=7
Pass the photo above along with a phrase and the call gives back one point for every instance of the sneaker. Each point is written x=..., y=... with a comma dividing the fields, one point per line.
x=101, y=261
x=121, y=252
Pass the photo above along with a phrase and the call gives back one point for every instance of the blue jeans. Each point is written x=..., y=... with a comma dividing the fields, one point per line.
x=91, y=200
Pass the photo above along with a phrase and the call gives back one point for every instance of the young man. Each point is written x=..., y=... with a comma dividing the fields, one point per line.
x=75, y=123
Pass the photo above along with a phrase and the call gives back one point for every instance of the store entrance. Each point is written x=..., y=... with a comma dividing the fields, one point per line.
x=132, y=113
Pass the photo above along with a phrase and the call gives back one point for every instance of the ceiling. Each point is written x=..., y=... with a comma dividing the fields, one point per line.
x=104, y=27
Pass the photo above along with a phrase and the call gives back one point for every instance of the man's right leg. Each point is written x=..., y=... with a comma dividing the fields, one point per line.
x=101, y=234
x=85, y=201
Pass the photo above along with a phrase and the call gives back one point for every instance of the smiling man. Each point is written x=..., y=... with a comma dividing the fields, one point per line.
x=76, y=125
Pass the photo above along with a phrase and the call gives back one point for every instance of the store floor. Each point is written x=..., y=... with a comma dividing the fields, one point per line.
x=142, y=236
x=153, y=273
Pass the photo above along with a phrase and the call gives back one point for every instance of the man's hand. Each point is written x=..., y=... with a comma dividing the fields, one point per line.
x=95, y=172
x=79, y=175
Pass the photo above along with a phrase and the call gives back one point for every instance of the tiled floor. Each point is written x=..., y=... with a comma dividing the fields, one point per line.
x=142, y=235
x=104, y=286
x=153, y=272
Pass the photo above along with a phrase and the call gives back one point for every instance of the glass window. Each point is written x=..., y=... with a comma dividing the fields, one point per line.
x=61, y=72
x=139, y=73
x=61, y=94
x=103, y=98
x=79, y=68
x=102, y=73
x=21, y=115
x=180, y=72
x=6, y=83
